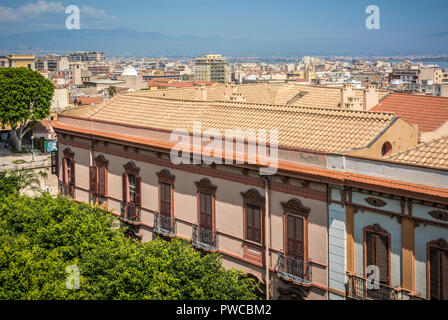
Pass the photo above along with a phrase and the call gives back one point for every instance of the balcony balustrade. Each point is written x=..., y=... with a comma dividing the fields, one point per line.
x=357, y=289
x=130, y=213
x=292, y=269
x=164, y=225
x=204, y=238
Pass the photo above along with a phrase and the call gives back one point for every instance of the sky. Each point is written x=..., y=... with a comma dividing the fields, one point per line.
x=257, y=19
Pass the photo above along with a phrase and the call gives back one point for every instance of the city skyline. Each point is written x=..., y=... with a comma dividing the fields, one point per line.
x=292, y=27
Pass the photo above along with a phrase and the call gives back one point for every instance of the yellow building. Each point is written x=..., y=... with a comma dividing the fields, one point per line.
x=22, y=60
x=212, y=67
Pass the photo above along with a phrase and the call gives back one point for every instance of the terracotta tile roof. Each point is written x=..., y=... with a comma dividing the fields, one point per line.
x=318, y=129
x=428, y=112
x=433, y=154
x=269, y=93
x=88, y=100
x=351, y=179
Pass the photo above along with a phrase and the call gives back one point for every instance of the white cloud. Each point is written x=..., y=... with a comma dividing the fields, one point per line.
x=32, y=10
x=94, y=12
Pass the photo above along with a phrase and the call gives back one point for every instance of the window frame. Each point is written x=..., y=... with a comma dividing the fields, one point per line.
x=295, y=208
x=204, y=186
x=68, y=155
x=440, y=244
x=378, y=230
x=131, y=169
x=165, y=177
x=254, y=198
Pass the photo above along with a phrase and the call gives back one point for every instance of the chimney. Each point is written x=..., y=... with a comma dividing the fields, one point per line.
x=201, y=93
x=370, y=97
x=238, y=97
x=347, y=94
x=230, y=90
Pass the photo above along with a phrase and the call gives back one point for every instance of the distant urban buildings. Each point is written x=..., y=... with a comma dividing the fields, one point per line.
x=211, y=67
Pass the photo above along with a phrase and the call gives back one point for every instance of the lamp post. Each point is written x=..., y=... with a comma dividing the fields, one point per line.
x=32, y=147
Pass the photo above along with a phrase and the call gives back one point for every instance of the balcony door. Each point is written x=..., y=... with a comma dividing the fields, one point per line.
x=295, y=246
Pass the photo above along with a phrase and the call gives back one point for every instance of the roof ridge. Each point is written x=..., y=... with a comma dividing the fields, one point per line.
x=417, y=146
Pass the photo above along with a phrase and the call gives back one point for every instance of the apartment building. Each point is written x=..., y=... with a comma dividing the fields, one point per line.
x=52, y=63
x=306, y=232
x=22, y=60
x=86, y=57
x=211, y=67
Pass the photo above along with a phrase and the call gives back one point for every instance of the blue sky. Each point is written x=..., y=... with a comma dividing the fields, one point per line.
x=261, y=19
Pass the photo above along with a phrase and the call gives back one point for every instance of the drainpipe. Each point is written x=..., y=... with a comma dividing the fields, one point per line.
x=267, y=231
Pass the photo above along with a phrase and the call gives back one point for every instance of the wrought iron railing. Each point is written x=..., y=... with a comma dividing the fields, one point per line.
x=66, y=189
x=358, y=289
x=295, y=270
x=204, y=238
x=130, y=212
x=164, y=225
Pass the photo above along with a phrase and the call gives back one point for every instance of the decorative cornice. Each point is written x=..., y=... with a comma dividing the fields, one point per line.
x=68, y=153
x=376, y=202
x=253, y=196
x=206, y=186
x=377, y=229
x=439, y=215
x=294, y=206
x=131, y=167
x=165, y=176
x=101, y=161
x=441, y=244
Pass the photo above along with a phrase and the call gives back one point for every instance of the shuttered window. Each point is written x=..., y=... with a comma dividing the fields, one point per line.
x=438, y=274
x=101, y=181
x=253, y=223
x=93, y=177
x=70, y=172
x=131, y=189
x=165, y=199
x=378, y=254
x=206, y=209
x=295, y=236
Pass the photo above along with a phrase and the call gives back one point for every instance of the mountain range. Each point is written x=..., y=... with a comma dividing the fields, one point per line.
x=127, y=42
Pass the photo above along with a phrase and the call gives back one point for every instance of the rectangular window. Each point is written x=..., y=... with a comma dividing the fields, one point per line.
x=378, y=254
x=295, y=237
x=253, y=223
x=438, y=274
x=165, y=199
x=206, y=210
x=101, y=181
x=131, y=185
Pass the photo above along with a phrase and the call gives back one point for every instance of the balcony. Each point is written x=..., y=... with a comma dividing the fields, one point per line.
x=357, y=289
x=164, y=225
x=295, y=270
x=66, y=189
x=204, y=238
x=130, y=213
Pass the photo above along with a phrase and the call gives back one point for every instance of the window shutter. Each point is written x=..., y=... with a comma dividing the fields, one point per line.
x=64, y=170
x=257, y=224
x=382, y=257
x=138, y=193
x=54, y=163
x=444, y=275
x=93, y=179
x=102, y=181
x=370, y=249
x=125, y=188
x=434, y=262
x=72, y=179
x=299, y=237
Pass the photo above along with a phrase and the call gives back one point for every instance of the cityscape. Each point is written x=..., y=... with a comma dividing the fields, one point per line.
x=168, y=167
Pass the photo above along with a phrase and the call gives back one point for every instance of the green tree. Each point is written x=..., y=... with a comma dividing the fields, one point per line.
x=112, y=91
x=41, y=236
x=9, y=184
x=25, y=98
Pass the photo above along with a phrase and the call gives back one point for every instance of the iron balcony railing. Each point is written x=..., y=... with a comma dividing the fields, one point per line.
x=164, y=225
x=204, y=238
x=358, y=289
x=66, y=189
x=292, y=269
x=130, y=212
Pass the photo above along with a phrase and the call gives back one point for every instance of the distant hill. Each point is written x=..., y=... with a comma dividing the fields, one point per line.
x=127, y=42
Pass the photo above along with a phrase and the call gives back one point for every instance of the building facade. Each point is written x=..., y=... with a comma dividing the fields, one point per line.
x=211, y=67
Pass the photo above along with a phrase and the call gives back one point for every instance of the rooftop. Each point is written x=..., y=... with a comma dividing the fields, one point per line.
x=433, y=154
x=428, y=112
x=317, y=129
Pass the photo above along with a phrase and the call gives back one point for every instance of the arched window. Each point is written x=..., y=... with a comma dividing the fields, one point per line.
x=437, y=281
x=386, y=149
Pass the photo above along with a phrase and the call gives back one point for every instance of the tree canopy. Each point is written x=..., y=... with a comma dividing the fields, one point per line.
x=25, y=98
x=41, y=236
